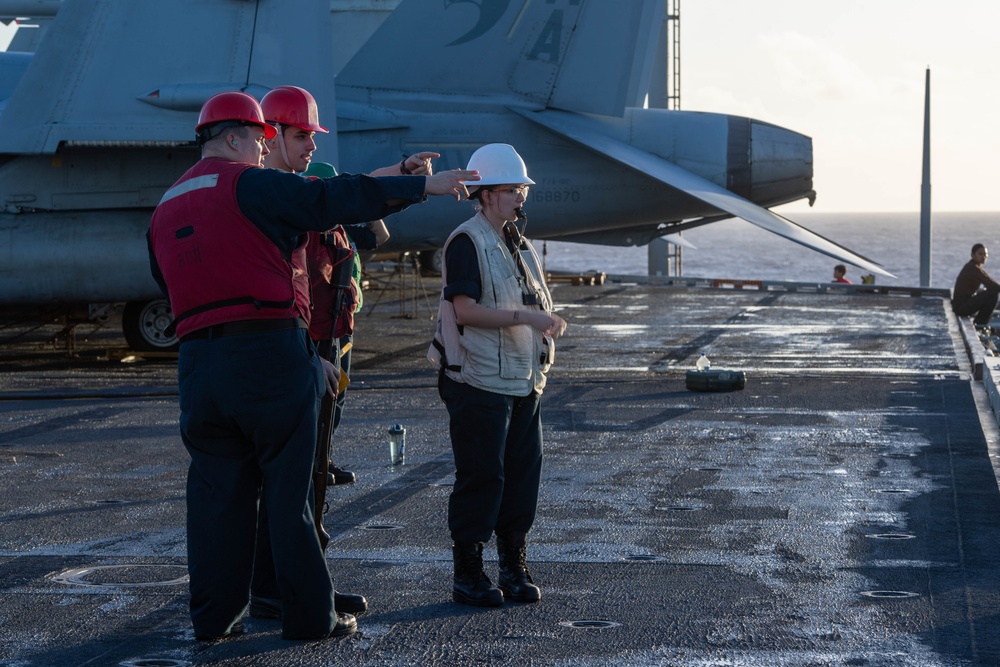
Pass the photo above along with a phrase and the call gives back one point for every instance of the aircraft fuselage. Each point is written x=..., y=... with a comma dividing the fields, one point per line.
x=75, y=221
x=578, y=191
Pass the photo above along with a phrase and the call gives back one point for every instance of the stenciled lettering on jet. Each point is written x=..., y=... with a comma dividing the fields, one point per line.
x=490, y=12
x=547, y=46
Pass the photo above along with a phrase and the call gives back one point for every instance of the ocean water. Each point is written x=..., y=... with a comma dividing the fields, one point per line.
x=736, y=249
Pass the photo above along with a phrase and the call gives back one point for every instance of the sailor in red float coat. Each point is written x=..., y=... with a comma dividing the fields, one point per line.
x=250, y=386
x=219, y=267
x=321, y=260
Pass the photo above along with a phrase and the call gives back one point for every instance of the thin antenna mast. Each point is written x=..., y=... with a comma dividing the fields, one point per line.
x=925, y=191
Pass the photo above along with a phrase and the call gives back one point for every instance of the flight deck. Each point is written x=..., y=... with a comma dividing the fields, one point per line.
x=842, y=509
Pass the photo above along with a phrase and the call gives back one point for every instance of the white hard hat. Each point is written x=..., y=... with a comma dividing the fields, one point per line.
x=498, y=164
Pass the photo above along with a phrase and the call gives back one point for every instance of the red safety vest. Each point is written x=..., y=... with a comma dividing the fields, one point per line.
x=218, y=266
x=322, y=261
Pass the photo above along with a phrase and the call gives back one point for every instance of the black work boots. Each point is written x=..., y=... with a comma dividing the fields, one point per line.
x=515, y=580
x=472, y=586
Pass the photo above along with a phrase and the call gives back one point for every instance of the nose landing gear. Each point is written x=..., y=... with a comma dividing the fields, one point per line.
x=143, y=323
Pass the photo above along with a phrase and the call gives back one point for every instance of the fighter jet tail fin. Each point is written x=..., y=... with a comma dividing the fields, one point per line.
x=564, y=54
x=136, y=72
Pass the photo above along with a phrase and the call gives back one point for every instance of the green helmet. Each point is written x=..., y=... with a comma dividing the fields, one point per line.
x=320, y=170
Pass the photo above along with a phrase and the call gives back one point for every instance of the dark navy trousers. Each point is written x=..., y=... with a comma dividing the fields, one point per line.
x=497, y=442
x=265, y=585
x=249, y=405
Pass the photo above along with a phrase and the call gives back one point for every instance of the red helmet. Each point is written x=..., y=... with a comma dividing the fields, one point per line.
x=233, y=105
x=291, y=105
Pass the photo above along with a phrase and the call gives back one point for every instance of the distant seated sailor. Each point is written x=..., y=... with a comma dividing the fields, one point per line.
x=975, y=292
x=839, y=274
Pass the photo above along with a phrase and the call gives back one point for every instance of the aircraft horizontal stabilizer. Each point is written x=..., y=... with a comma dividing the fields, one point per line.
x=583, y=131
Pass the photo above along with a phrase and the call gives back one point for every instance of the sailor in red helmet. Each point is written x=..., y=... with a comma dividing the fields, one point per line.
x=294, y=112
x=226, y=246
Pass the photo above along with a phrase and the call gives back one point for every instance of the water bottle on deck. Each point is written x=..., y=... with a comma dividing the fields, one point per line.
x=397, y=445
x=703, y=378
x=703, y=364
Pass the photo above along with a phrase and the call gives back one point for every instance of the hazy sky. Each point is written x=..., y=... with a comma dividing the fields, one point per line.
x=850, y=74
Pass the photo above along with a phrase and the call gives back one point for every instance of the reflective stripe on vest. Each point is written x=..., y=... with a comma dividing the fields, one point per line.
x=218, y=266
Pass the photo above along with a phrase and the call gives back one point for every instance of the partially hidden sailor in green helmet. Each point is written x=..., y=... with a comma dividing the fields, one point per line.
x=356, y=238
x=494, y=343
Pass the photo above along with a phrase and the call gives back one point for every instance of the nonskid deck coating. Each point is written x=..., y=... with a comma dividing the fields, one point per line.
x=841, y=510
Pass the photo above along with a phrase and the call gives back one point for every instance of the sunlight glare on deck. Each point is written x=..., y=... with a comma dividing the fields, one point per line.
x=622, y=329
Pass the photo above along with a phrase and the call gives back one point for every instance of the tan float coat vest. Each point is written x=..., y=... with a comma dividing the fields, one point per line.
x=509, y=360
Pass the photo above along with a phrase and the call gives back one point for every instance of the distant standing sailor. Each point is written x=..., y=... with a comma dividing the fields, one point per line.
x=494, y=344
x=975, y=291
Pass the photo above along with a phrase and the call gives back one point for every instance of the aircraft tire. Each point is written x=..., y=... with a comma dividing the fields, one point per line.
x=431, y=261
x=143, y=323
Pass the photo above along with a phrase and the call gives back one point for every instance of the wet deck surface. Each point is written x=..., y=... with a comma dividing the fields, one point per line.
x=841, y=510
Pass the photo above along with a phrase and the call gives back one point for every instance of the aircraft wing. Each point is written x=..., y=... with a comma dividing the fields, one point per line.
x=579, y=129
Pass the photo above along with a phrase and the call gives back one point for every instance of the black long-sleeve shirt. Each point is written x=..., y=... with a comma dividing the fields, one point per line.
x=285, y=206
x=969, y=279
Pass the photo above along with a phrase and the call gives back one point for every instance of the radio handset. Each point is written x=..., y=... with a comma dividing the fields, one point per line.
x=522, y=219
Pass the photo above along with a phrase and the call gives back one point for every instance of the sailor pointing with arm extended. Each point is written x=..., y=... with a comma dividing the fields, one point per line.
x=226, y=245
